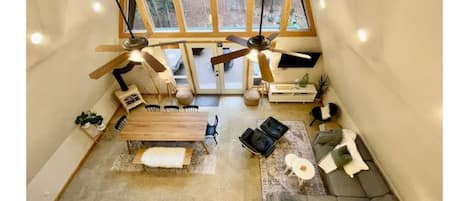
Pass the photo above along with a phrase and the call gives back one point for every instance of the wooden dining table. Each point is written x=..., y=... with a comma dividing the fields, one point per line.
x=143, y=125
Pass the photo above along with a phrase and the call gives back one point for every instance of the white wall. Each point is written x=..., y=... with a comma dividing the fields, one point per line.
x=58, y=87
x=52, y=177
x=391, y=85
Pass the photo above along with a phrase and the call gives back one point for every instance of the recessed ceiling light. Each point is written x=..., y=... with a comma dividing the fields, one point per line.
x=322, y=4
x=36, y=37
x=97, y=7
x=362, y=35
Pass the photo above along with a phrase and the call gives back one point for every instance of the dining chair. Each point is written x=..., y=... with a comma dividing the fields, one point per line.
x=190, y=108
x=211, y=130
x=152, y=108
x=171, y=108
x=121, y=122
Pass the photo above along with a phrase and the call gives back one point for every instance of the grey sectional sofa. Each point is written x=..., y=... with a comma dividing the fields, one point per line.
x=367, y=185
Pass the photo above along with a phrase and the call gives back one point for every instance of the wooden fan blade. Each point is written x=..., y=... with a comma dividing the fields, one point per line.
x=109, y=48
x=109, y=66
x=264, y=66
x=273, y=43
x=273, y=36
x=148, y=34
x=229, y=56
x=152, y=62
x=237, y=40
x=305, y=56
x=167, y=43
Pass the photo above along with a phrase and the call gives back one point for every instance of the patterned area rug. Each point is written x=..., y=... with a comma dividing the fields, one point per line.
x=274, y=178
x=201, y=162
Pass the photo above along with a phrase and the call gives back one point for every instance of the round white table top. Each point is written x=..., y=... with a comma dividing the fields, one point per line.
x=289, y=158
x=303, y=168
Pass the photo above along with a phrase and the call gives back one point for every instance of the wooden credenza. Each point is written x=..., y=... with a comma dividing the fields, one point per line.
x=291, y=93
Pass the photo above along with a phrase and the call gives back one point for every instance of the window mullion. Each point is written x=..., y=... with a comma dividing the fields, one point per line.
x=285, y=15
x=249, y=15
x=179, y=15
x=214, y=13
x=142, y=8
x=310, y=19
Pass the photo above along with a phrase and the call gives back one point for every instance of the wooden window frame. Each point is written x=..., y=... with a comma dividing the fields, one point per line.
x=147, y=21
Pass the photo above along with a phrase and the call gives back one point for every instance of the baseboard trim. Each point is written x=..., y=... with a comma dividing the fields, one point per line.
x=82, y=161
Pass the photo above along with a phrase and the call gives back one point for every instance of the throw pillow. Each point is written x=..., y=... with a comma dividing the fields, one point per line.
x=331, y=138
x=348, y=136
x=327, y=163
x=341, y=156
x=357, y=164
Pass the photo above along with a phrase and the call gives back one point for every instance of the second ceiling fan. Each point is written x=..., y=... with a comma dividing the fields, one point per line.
x=256, y=44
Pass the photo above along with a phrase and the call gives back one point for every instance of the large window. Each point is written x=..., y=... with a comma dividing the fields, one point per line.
x=219, y=18
x=272, y=15
x=163, y=15
x=298, y=18
x=232, y=15
x=197, y=15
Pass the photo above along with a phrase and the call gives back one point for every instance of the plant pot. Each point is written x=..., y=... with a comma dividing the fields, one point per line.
x=86, y=125
x=101, y=127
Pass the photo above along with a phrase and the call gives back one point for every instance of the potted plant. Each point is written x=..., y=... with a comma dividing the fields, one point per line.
x=83, y=120
x=90, y=118
x=323, y=84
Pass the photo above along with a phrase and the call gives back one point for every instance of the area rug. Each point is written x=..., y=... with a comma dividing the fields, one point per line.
x=201, y=162
x=273, y=176
x=207, y=100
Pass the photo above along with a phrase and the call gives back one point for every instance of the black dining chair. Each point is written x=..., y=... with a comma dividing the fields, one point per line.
x=190, y=108
x=121, y=122
x=211, y=130
x=152, y=108
x=171, y=108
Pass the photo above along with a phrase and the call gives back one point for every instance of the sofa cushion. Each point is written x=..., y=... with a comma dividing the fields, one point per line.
x=341, y=156
x=340, y=184
x=366, y=156
x=332, y=138
x=372, y=181
x=387, y=197
x=352, y=199
x=321, y=150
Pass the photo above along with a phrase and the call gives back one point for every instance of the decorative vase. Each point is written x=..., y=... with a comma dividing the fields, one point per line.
x=86, y=125
x=101, y=127
x=304, y=80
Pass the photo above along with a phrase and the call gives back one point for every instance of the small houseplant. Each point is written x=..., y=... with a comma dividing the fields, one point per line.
x=323, y=84
x=82, y=120
x=90, y=118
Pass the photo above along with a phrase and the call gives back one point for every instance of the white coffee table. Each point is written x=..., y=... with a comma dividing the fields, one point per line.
x=303, y=169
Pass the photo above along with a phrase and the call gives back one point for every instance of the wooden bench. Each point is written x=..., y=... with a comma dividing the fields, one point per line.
x=139, y=154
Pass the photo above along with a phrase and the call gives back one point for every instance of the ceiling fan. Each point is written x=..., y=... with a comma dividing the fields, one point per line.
x=133, y=47
x=256, y=45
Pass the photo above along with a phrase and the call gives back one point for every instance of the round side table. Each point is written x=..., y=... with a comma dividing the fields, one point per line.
x=303, y=169
x=289, y=158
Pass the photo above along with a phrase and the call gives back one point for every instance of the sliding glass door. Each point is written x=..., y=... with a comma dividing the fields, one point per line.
x=226, y=78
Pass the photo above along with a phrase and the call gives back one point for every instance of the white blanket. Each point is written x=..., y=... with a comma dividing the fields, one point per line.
x=325, y=112
x=167, y=157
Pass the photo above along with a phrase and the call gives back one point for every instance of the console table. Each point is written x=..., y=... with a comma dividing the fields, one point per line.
x=291, y=93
